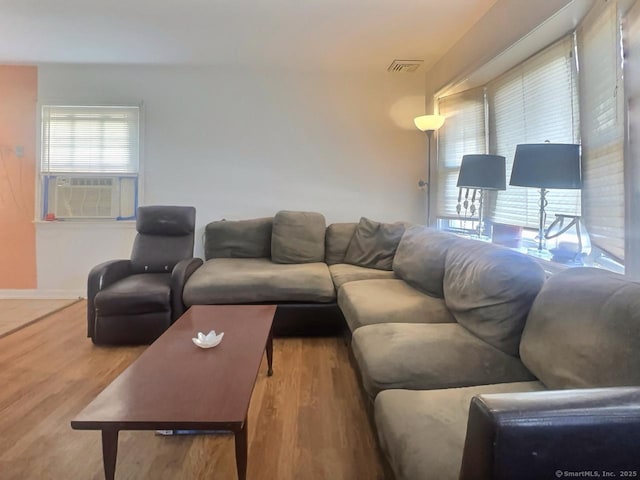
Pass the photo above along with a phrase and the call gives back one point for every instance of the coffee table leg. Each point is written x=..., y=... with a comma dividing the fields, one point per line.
x=241, y=451
x=270, y=354
x=109, y=452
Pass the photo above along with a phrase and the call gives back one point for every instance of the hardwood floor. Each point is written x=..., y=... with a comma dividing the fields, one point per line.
x=15, y=314
x=306, y=422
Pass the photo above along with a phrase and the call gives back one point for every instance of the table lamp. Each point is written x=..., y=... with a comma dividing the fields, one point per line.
x=480, y=172
x=545, y=166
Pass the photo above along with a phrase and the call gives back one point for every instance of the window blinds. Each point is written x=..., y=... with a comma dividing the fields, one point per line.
x=462, y=133
x=602, y=118
x=90, y=139
x=532, y=103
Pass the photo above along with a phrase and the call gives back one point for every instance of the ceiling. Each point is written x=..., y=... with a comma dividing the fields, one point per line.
x=295, y=34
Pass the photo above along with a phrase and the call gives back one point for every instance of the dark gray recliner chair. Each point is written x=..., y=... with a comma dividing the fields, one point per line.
x=134, y=301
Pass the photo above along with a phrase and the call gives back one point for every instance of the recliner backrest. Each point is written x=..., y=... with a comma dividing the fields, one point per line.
x=165, y=236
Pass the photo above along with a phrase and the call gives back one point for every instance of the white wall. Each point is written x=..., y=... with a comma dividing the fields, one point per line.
x=239, y=143
x=65, y=252
x=506, y=23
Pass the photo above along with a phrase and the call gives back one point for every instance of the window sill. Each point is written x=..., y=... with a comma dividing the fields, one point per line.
x=544, y=258
x=87, y=223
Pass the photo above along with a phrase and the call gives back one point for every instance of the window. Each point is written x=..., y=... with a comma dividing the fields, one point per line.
x=90, y=161
x=602, y=118
x=538, y=101
x=463, y=133
x=533, y=103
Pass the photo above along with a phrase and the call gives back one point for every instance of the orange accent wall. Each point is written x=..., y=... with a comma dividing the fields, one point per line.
x=18, y=97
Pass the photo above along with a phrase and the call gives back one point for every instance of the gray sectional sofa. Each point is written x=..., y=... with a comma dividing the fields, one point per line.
x=457, y=342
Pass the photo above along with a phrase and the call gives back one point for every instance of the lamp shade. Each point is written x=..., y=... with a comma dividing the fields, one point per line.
x=429, y=122
x=482, y=171
x=547, y=165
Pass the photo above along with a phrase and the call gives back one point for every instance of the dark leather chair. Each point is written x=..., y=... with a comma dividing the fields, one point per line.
x=134, y=301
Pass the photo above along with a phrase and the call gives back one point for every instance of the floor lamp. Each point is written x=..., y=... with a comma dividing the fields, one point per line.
x=545, y=166
x=429, y=124
x=481, y=172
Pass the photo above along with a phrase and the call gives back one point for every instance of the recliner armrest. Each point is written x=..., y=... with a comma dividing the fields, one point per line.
x=553, y=434
x=179, y=276
x=101, y=276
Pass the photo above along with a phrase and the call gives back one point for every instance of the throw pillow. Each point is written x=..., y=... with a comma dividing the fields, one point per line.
x=298, y=237
x=374, y=244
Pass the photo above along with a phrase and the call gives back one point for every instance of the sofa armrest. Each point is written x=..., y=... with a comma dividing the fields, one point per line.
x=179, y=276
x=553, y=434
x=101, y=276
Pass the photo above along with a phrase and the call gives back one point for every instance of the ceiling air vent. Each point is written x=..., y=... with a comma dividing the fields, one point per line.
x=404, y=66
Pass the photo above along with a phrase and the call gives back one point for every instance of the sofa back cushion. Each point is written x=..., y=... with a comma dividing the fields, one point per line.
x=374, y=244
x=298, y=237
x=238, y=239
x=420, y=259
x=583, y=331
x=490, y=289
x=337, y=239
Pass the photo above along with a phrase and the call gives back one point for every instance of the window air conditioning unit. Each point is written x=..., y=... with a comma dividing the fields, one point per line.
x=76, y=197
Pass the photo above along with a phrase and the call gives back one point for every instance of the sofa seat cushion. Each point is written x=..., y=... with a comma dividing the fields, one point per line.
x=429, y=357
x=251, y=280
x=342, y=273
x=422, y=433
x=383, y=301
x=136, y=294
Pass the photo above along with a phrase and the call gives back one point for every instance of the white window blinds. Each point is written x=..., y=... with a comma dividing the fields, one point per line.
x=87, y=139
x=462, y=133
x=602, y=118
x=532, y=103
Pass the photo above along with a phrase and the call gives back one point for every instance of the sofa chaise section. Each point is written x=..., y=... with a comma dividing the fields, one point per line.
x=489, y=291
x=277, y=260
x=582, y=332
x=413, y=295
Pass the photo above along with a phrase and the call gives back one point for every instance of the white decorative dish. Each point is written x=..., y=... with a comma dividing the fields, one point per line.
x=209, y=340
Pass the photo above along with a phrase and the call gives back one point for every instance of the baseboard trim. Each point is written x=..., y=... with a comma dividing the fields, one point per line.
x=35, y=293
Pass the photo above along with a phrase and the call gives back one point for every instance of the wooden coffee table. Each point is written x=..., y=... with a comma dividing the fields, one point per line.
x=175, y=385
